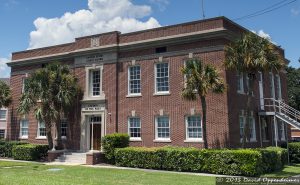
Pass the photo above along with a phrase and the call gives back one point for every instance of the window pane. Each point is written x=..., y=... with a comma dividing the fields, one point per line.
x=194, y=127
x=24, y=128
x=134, y=79
x=162, y=77
x=163, y=127
x=135, y=127
x=64, y=126
x=42, y=129
x=95, y=82
x=2, y=134
x=3, y=114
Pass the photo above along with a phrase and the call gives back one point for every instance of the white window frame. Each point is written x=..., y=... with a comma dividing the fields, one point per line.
x=253, y=134
x=129, y=133
x=240, y=81
x=243, y=126
x=272, y=85
x=155, y=81
x=4, y=119
x=23, y=85
x=156, y=130
x=64, y=120
x=187, y=132
x=278, y=83
x=129, y=80
x=21, y=128
x=38, y=131
x=88, y=88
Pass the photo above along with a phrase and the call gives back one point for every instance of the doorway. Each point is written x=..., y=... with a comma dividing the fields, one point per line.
x=95, y=132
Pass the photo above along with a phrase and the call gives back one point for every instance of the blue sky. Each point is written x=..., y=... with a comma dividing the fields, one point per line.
x=35, y=23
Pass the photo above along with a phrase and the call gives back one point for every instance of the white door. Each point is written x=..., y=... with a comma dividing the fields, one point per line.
x=261, y=90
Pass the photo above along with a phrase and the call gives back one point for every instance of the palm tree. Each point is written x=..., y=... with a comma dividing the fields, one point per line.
x=201, y=79
x=250, y=54
x=49, y=92
x=5, y=95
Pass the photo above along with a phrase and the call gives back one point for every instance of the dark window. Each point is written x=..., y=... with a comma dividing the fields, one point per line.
x=161, y=50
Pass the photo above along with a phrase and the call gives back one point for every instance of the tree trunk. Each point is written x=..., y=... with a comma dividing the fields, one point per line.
x=58, y=133
x=203, y=104
x=49, y=133
x=246, y=133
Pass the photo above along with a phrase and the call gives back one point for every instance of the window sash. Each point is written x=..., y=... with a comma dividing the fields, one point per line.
x=41, y=129
x=95, y=82
x=162, y=127
x=134, y=80
x=162, y=77
x=2, y=134
x=240, y=82
x=194, y=127
x=24, y=128
x=64, y=127
x=3, y=114
x=134, y=127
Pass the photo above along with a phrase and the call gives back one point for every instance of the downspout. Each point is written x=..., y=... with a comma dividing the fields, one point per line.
x=117, y=85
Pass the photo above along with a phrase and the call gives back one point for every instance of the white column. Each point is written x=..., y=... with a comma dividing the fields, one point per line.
x=276, y=131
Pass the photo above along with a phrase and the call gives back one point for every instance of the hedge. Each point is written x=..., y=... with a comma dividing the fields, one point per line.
x=7, y=146
x=294, y=151
x=111, y=142
x=247, y=162
x=30, y=152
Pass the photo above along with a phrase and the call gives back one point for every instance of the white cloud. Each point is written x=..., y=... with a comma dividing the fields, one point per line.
x=162, y=4
x=295, y=12
x=101, y=16
x=4, y=69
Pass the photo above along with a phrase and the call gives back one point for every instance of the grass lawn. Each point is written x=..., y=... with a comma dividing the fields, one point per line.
x=288, y=171
x=16, y=173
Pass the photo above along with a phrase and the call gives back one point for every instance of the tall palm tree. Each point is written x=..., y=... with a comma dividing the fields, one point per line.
x=5, y=95
x=49, y=92
x=201, y=79
x=251, y=54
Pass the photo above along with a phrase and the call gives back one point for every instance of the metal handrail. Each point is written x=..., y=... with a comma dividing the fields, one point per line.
x=281, y=107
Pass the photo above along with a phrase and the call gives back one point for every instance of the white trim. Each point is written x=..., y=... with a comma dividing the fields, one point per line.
x=159, y=139
x=187, y=138
x=129, y=133
x=6, y=114
x=129, y=94
x=87, y=93
x=162, y=140
x=240, y=78
x=20, y=124
x=156, y=92
x=278, y=82
x=272, y=85
x=38, y=131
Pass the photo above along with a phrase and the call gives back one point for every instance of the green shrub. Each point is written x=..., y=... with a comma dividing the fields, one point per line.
x=294, y=151
x=29, y=152
x=274, y=158
x=247, y=162
x=7, y=146
x=111, y=142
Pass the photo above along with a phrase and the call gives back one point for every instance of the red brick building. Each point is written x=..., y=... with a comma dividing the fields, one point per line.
x=132, y=84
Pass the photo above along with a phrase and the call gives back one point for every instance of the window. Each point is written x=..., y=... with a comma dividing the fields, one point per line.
x=134, y=128
x=95, y=83
x=272, y=85
x=134, y=80
x=278, y=87
x=193, y=128
x=64, y=127
x=252, y=128
x=3, y=114
x=161, y=50
x=162, y=78
x=24, y=128
x=240, y=82
x=41, y=130
x=162, y=128
x=242, y=124
x=23, y=85
x=281, y=130
x=265, y=129
x=2, y=134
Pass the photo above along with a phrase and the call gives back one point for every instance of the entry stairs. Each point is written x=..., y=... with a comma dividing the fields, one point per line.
x=72, y=158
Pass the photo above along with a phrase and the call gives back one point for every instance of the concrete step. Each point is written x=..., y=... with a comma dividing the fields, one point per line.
x=71, y=158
